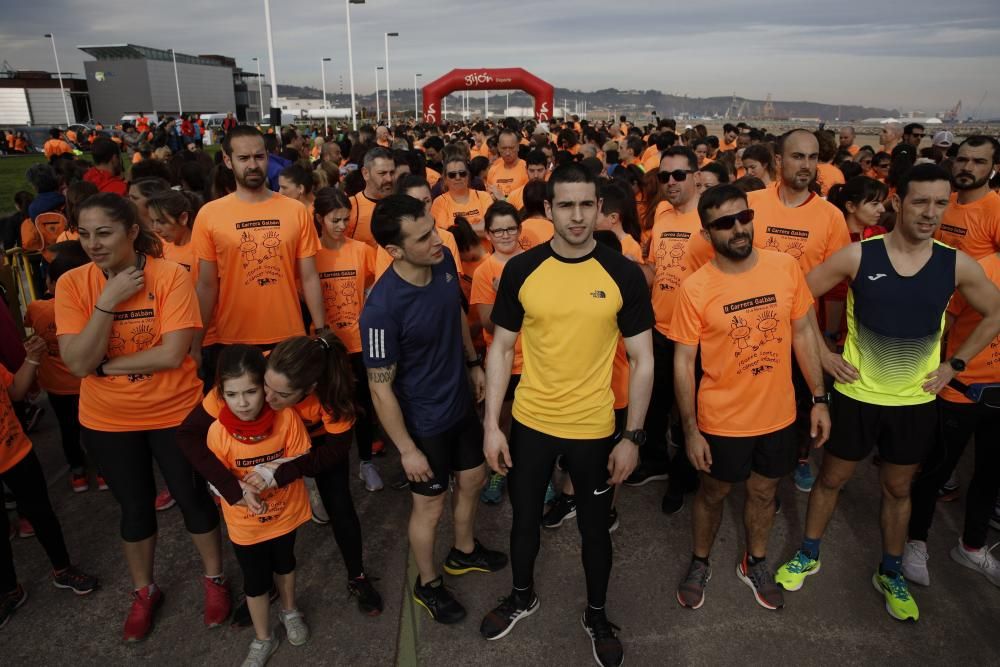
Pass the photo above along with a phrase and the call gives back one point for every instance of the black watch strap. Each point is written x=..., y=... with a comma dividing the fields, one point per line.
x=472, y=363
x=824, y=399
x=638, y=436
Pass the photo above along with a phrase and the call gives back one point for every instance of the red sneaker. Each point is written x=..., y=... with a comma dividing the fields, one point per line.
x=78, y=482
x=101, y=484
x=378, y=447
x=140, y=615
x=217, y=602
x=164, y=500
x=24, y=528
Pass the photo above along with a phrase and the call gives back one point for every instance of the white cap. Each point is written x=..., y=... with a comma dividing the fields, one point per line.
x=944, y=139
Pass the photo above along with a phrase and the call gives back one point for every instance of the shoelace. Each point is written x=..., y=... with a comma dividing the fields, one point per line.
x=758, y=574
x=602, y=628
x=697, y=575
x=496, y=481
x=798, y=564
x=898, y=588
x=991, y=561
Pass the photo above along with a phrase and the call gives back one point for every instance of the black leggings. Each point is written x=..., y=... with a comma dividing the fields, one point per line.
x=334, y=488
x=67, y=409
x=959, y=422
x=125, y=460
x=365, y=430
x=25, y=479
x=533, y=454
x=261, y=561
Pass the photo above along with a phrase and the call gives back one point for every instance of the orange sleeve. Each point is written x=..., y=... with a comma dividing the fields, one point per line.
x=803, y=299
x=71, y=313
x=201, y=239
x=955, y=307
x=448, y=239
x=686, y=325
x=308, y=239
x=840, y=235
x=369, y=265
x=439, y=211
x=297, y=439
x=482, y=284
x=180, y=309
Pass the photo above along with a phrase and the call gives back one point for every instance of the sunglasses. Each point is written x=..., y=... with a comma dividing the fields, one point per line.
x=729, y=221
x=679, y=175
x=457, y=174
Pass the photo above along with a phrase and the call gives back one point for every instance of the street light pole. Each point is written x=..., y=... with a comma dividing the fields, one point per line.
x=260, y=94
x=62, y=91
x=388, y=86
x=177, y=82
x=378, y=109
x=350, y=60
x=326, y=126
x=416, y=109
x=270, y=60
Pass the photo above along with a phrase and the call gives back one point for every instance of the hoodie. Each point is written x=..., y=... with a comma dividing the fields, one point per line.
x=106, y=181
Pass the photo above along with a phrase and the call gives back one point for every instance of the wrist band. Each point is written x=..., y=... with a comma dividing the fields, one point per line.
x=32, y=362
x=107, y=312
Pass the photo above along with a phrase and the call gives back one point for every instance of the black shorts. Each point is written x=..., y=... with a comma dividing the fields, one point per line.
x=457, y=449
x=905, y=434
x=515, y=379
x=260, y=562
x=771, y=455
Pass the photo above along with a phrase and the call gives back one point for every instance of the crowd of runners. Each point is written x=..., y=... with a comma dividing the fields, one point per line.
x=549, y=311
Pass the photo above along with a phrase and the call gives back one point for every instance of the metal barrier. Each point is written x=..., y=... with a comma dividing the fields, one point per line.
x=24, y=278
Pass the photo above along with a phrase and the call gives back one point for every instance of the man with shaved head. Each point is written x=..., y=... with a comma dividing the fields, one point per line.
x=847, y=141
x=890, y=136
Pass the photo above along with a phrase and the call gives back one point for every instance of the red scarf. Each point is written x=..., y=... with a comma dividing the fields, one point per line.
x=253, y=431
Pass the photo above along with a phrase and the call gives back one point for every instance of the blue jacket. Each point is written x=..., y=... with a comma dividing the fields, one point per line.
x=275, y=165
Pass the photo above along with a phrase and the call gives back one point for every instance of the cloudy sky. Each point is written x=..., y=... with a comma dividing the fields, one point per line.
x=921, y=54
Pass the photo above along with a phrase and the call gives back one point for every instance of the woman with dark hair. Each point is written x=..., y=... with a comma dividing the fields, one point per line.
x=140, y=191
x=758, y=161
x=534, y=221
x=125, y=323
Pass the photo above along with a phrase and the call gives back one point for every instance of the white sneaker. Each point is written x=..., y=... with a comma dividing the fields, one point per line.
x=368, y=474
x=981, y=560
x=295, y=626
x=260, y=651
x=915, y=563
x=319, y=514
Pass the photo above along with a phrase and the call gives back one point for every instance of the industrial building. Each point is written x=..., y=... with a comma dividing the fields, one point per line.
x=127, y=79
x=35, y=98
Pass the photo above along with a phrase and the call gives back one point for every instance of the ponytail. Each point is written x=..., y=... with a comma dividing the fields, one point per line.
x=123, y=211
x=322, y=362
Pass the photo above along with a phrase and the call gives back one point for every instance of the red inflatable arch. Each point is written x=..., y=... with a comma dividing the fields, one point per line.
x=512, y=78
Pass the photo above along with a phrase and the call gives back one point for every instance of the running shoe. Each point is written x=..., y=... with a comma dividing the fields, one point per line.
x=915, y=563
x=369, y=600
x=612, y=520
x=32, y=415
x=981, y=560
x=500, y=621
x=368, y=474
x=672, y=503
x=898, y=601
x=140, y=617
x=949, y=491
x=164, y=501
x=493, y=491
x=760, y=580
x=218, y=602
x=550, y=494
x=608, y=651
x=261, y=651
x=24, y=528
x=78, y=482
x=792, y=575
x=73, y=579
x=101, y=484
x=804, y=478
x=563, y=509
x=295, y=626
x=241, y=617
x=11, y=601
x=319, y=513
x=645, y=474
x=480, y=560
x=378, y=448
x=691, y=591
x=438, y=601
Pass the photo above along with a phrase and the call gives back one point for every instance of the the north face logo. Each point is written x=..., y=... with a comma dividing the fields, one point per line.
x=598, y=294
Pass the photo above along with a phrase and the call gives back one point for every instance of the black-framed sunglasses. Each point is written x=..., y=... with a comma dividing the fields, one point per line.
x=679, y=175
x=727, y=222
x=457, y=174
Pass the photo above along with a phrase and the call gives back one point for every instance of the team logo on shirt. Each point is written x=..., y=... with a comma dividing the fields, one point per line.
x=670, y=255
x=795, y=246
x=599, y=294
x=753, y=328
x=260, y=251
x=950, y=229
x=340, y=295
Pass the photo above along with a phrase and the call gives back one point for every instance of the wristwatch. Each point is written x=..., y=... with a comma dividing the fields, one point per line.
x=957, y=364
x=472, y=363
x=637, y=436
x=824, y=399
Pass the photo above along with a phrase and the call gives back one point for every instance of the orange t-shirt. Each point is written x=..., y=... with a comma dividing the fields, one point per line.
x=383, y=260
x=287, y=506
x=828, y=175
x=67, y=235
x=631, y=248
x=677, y=250
x=14, y=444
x=650, y=159
x=143, y=401
x=30, y=238
x=432, y=176
x=516, y=198
x=985, y=366
x=360, y=225
x=810, y=233
x=853, y=150
x=482, y=150
x=529, y=238
x=317, y=421
x=743, y=323
x=184, y=255
x=507, y=178
x=539, y=229
x=972, y=228
x=445, y=209
x=345, y=275
x=620, y=375
x=55, y=147
x=256, y=247
x=53, y=376
x=484, y=291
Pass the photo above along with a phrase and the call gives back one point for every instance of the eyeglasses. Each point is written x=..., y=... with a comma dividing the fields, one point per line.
x=505, y=231
x=457, y=174
x=728, y=221
x=679, y=175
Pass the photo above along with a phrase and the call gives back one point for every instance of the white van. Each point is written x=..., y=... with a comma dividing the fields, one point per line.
x=130, y=118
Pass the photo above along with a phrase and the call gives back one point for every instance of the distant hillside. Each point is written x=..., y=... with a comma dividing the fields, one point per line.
x=636, y=102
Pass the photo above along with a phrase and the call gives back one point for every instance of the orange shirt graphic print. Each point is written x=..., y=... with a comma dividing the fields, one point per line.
x=260, y=251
